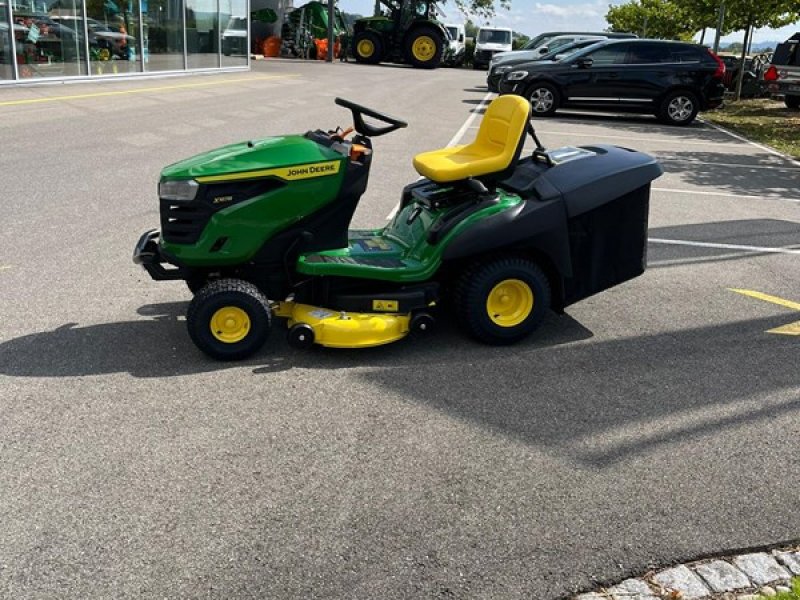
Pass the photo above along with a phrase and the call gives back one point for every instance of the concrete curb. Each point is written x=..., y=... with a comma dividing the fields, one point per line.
x=741, y=577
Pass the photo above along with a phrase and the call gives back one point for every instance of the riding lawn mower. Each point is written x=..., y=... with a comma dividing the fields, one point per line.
x=258, y=230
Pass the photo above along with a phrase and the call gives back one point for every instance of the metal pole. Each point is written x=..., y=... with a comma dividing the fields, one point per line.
x=331, y=17
x=15, y=66
x=141, y=36
x=86, y=39
x=720, y=23
x=185, y=50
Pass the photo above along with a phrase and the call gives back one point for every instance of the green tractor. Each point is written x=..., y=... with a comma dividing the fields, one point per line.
x=407, y=32
x=308, y=23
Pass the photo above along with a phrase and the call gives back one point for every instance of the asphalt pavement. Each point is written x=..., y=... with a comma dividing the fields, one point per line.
x=655, y=423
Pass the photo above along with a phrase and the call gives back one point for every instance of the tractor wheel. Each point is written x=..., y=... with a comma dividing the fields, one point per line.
x=229, y=319
x=196, y=283
x=792, y=102
x=367, y=48
x=424, y=47
x=503, y=300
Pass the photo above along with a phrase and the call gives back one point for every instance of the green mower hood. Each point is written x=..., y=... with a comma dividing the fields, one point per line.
x=245, y=157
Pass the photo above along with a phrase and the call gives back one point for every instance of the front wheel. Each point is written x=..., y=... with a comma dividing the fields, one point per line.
x=503, y=300
x=367, y=48
x=792, y=102
x=679, y=108
x=229, y=319
x=424, y=47
x=544, y=99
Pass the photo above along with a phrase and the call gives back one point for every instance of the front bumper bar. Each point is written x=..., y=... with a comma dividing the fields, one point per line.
x=148, y=254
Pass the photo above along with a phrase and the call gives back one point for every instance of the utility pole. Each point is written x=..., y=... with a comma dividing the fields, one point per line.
x=331, y=23
x=720, y=23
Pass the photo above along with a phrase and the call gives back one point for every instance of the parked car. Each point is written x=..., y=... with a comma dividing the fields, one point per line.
x=782, y=76
x=543, y=38
x=489, y=42
x=497, y=70
x=234, y=37
x=458, y=45
x=672, y=80
x=544, y=48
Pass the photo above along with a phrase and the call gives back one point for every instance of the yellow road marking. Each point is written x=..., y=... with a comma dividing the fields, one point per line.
x=5, y=267
x=791, y=328
x=160, y=88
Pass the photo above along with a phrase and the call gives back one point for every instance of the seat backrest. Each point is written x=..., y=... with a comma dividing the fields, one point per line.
x=503, y=128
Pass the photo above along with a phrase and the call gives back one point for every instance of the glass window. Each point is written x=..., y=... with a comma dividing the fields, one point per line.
x=609, y=55
x=49, y=39
x=493, y=36
x=686, y=54
x=162, y=46
x=113, y=27
x=6, y=55
x=202, y=33
x=648, y=54
x=234, y=36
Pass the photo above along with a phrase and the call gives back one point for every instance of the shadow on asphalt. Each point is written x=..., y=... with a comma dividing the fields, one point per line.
x=604, y=402
x=762, y=175
x=160, y=347
x=765, y=233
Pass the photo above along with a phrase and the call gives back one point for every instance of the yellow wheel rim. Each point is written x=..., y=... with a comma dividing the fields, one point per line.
x=509, y=303
x=423, y=48
x=104, y=54
x=230, y=324
x=365, y=48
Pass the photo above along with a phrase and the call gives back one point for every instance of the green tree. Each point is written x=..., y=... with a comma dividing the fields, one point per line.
x=664, y=19
x=482, y=9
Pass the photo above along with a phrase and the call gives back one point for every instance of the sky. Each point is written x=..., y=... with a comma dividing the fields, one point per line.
x=532, y=17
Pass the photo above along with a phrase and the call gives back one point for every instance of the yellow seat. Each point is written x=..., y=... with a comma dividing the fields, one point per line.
x=497, y=144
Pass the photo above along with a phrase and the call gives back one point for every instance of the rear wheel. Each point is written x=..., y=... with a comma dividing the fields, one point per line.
x=503, y=300
x=792, y=102
x=679, y=108
x=424, y=47
x=544, y=98
x=229, y=319
x=367, y=48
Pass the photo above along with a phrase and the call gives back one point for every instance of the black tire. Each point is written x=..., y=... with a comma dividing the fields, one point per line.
x=364, y=40
x=483, y=282
x=544, y=98
x=424, y=47
x=792, y=102
x=678, y=108
x=196, y=283
x=240, y=297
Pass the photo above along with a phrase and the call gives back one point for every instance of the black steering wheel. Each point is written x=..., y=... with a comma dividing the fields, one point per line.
x=365, y=128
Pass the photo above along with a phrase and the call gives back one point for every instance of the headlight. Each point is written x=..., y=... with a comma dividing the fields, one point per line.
x=178, y=191
x=501, y=70
x=517, y=75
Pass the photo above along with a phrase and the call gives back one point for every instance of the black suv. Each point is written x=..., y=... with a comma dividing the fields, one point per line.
x=672, y=80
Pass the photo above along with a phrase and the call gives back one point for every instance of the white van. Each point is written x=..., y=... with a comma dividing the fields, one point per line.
x=457, y=44
x=489, y=42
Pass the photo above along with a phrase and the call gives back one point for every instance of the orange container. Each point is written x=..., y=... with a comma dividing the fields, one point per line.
x=322, y=48
x=271, y=47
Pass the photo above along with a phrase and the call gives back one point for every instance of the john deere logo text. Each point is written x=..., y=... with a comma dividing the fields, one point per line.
x=312, y=170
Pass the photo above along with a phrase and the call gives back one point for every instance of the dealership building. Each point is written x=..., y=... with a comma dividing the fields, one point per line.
x=52, y=40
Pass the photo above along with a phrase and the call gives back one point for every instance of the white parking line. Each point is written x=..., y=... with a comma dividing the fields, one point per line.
x=456, y=138
x=734, y=165
x=752, y=143
x=723, y=194
x=790, y=250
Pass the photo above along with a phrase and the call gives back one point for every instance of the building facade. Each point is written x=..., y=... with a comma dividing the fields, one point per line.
x=46, y=40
